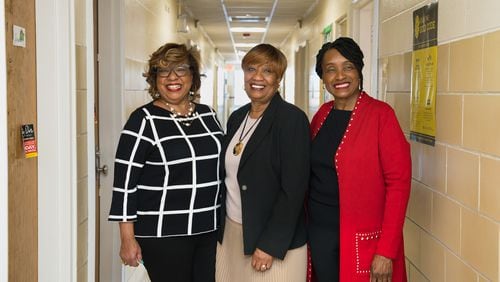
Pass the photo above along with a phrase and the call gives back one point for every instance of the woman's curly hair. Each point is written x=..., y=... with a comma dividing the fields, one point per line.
x=172, y=54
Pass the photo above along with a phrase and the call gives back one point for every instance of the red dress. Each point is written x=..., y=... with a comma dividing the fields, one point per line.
x=373, y=163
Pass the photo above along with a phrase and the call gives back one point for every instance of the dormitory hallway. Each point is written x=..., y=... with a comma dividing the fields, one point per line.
x=71, y=73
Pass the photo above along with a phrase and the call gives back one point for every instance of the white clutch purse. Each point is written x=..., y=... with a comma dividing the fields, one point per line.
x=135, y=274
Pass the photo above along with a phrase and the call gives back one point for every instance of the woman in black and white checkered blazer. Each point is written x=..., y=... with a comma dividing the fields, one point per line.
x=166, y=181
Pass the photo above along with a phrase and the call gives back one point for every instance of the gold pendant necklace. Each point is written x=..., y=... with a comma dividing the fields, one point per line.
x=239, y=146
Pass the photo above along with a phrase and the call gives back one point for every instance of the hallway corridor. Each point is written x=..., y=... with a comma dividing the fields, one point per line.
x=80, y=75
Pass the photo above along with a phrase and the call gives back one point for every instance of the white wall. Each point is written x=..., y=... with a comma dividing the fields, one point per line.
x=4, y=232
x=86, y=195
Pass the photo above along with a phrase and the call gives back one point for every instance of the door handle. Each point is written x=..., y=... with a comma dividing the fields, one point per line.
x=103, y=169
x=98, y=168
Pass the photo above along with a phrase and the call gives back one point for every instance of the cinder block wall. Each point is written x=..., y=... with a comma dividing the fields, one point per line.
x=452, y=229
x=81, y=141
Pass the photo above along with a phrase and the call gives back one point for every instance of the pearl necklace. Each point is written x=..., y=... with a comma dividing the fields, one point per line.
x=184, y=119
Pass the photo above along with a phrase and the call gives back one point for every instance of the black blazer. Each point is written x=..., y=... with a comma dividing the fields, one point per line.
x=273, y=175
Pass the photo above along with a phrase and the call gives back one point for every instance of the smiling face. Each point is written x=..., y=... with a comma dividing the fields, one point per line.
x=261, y=82
x=341, y=78
x=174, y=82
x=173, y=71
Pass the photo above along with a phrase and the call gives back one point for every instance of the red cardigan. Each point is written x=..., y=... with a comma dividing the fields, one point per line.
x=373, y=165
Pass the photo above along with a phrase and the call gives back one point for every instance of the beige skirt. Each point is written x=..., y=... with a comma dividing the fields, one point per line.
x=233, y=266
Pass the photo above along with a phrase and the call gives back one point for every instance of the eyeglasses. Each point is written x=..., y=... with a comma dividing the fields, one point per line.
x=180, y=71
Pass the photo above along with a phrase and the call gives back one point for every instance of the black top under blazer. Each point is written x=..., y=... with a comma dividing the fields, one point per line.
x=273, y=176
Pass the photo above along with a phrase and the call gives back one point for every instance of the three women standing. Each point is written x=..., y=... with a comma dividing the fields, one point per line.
x=167, y=181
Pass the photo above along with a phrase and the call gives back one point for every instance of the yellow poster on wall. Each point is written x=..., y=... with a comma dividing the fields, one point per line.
x=424, y=75
x=423, y=106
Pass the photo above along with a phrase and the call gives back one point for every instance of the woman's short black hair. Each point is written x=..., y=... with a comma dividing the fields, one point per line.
x=349, y=49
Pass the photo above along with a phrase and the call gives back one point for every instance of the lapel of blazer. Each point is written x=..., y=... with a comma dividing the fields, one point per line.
x=262, y=128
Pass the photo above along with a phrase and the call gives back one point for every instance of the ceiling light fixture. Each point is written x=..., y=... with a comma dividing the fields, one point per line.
x=182, y=19
x=248, y=19
x=241, y=53
x=243, y=45
x=248, y=29
x=226, y=17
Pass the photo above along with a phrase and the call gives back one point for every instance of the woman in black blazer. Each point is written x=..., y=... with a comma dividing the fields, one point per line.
x=265, y=164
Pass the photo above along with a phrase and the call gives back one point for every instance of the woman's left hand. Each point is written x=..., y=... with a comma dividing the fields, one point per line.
x=381, y=270
x=261, y=261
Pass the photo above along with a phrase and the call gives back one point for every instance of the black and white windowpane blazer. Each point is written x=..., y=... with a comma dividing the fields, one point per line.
x=166, y=176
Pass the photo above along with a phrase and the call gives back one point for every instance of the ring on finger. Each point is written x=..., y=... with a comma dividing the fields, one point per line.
x=263, y=267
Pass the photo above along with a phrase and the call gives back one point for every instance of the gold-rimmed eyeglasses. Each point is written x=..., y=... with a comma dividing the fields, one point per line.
x=180, y=71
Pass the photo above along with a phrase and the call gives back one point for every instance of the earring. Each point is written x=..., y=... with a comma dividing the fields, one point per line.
x=156, y=95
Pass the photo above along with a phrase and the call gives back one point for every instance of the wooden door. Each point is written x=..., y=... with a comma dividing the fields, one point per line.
x=22, y=172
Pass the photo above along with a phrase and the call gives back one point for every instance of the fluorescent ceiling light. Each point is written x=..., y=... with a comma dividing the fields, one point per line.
x=243, y=45
x=248, y=29
x=241, y=53
x=248, y=19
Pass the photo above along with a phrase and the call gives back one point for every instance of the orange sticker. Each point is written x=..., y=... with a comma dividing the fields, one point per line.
x=29, y=140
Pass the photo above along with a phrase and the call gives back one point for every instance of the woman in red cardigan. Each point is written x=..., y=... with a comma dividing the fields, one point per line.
x=360, y=177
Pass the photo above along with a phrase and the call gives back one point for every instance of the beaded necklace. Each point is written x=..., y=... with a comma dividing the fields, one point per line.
x=184, y=119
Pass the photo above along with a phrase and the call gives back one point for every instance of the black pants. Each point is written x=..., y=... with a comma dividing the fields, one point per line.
x=180, y=259
x=323, y=233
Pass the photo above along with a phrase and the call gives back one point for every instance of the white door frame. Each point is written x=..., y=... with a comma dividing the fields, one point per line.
x=111, y=85
x=56, y=114
x=4, y=167
x=91, y=168
x=355, y=31
x=375, y=50
x=57, y=159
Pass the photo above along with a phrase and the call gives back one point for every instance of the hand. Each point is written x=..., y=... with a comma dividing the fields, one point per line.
x=261, y=261
x=381, y=269
x=130, y=251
